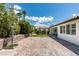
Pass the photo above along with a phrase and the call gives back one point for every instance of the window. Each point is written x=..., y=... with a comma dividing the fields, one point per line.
x=73, y=28
x=62, y=29
x=68, y=29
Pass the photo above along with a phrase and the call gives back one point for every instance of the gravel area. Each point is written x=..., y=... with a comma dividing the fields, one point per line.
x=37, y=46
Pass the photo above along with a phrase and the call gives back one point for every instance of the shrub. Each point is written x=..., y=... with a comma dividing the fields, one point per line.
x=23, y=26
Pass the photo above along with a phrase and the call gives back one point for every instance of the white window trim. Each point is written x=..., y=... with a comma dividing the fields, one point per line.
x=61, y=30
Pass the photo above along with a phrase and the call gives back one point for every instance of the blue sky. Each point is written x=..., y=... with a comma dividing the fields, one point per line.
x=58, y=11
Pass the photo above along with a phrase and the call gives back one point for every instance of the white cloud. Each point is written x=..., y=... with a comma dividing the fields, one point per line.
x=40, y=25
x=40, y=19
x=16, y=11
x=17, y=8
x=74, y=15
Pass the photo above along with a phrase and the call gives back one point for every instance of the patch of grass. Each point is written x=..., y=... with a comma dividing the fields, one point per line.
x=11, y=46
x=40, y=35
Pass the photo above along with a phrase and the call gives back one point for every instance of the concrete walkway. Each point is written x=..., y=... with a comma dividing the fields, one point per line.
x=36, y=46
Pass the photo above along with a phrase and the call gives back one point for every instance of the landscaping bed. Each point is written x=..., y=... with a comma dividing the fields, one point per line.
x=7, y=41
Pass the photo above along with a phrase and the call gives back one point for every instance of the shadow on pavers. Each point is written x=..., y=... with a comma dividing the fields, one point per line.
x=74, y=48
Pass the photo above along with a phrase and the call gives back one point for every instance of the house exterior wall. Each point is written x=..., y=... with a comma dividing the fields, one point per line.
x=68, y=37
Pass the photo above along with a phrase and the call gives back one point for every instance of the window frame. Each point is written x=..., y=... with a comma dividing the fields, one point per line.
x=62, y=29
x=68, y=29
x=73, y=28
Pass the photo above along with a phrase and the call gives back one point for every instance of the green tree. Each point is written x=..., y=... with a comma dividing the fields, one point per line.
x=17, y=29
x=25, y=27
x=24, y=14
x=2, y=7
x=19, y=15
x=7, y=19
x=3, y=21
x=9, y=24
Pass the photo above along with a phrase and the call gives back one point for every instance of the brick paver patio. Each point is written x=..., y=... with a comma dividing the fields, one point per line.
x=36, y=46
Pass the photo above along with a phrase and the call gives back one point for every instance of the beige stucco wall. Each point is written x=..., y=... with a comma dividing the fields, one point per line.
x=71, y=38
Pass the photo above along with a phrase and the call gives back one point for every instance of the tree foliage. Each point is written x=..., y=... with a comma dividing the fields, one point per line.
x=17, y=29
x=7, y=19
x=10, y=22
x=40, y=31
x=24, y=14
x=25, y=27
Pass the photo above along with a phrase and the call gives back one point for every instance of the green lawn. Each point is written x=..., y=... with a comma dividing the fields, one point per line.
x=11, y=46
x=40, y=35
